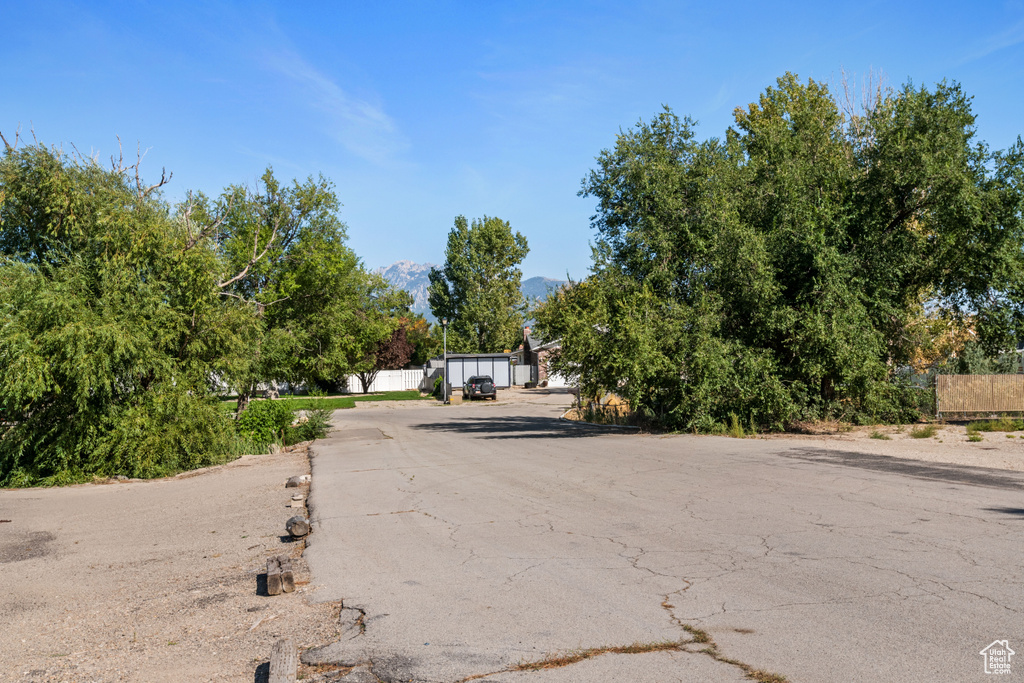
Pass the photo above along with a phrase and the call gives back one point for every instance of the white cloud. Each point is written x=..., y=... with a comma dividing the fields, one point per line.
x=1009, y=37
x=361, y=126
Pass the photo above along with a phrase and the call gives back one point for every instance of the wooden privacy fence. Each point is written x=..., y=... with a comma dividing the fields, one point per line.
x=979, y=394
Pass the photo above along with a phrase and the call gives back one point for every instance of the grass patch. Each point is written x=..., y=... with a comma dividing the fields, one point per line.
x=924, y=432
x=975, y=437
x=1003, y=424
x=336, y=402
x=312, y=403
x=411, y=395
x=735, y=429
x=879, y=435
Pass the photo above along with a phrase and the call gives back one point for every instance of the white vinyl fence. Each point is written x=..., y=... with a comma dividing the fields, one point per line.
x=388, y=380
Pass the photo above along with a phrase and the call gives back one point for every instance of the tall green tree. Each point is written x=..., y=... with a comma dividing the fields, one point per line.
x=478, y=289
x=775, y=273
x=113, y=326
x=283, y=252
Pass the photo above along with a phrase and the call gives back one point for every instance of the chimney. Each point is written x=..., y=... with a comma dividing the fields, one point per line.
x=526, y=333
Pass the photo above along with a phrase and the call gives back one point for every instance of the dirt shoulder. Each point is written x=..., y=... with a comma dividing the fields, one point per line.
x=154, y=580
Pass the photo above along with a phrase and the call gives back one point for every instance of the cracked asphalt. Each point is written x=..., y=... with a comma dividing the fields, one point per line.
x=468, y=540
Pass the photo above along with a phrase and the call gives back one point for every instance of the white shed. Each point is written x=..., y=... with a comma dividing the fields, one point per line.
x=462, y=366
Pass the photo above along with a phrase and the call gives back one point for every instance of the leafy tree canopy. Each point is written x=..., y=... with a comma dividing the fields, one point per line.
x=112, y=327
x=478, y=289
x=283, y=251
x=777, y=273
x=120, y=315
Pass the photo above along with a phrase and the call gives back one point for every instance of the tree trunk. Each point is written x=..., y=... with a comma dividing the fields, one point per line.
x=828, y=389
x=366, y=379
x=244, y=396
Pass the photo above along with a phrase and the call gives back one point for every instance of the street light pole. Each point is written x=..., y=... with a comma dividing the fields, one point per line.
x=444, y=371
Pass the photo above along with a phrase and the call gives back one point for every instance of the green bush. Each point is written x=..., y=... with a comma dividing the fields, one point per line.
x=924, y=432
x=315, y=426
x=1003, y=424
x=265, y=421
x=735, y=428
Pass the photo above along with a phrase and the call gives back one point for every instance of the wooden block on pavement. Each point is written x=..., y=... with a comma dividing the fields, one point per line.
x=284, y=661
x=287, y=577
x=273, y=576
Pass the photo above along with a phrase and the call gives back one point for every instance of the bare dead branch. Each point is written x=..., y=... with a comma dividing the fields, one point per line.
x=197, y=235
x=871, y=93
x=17, y=139
x=118, y=166
x=164, y=177
x=256, y=254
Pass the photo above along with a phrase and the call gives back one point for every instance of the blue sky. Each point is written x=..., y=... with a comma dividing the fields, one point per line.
x=421, y=111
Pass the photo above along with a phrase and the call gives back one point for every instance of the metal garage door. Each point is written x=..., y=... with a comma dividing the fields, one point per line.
x=463, y=366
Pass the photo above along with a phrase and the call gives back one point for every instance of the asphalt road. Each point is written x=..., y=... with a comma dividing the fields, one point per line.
x=470, y=540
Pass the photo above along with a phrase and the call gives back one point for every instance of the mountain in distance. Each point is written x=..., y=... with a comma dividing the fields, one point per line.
x=413, y=278
x=538, y=288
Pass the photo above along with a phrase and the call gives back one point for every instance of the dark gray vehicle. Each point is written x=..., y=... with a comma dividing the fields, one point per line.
x=479, y=386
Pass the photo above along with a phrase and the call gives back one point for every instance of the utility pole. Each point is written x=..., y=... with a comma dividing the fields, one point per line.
x=444, y=370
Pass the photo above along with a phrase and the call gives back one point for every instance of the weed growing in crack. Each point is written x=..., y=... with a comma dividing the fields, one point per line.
x=698, y=635
x=558, y=661
x=703, y=637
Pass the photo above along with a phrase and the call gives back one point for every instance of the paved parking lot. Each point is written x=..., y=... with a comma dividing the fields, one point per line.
x=474, y=541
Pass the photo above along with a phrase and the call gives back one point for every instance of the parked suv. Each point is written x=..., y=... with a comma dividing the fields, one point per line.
x=479, y=386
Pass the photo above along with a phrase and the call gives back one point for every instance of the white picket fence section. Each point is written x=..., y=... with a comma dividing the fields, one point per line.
x=389, y=380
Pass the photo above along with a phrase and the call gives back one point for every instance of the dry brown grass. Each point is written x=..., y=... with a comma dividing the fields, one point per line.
x=698, y=636
x=576, y=656
x=817, y=427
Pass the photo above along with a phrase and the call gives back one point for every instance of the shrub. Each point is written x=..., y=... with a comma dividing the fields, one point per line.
x=1003, y=424
x=316, y=424
x=879, y=435
x=975, y=437
x=924, y=432
x=264, y=421
x=735, y=427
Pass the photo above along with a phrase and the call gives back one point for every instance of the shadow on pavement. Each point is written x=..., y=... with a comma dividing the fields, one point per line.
x=1016, y=512
x=518, y=427
x=956, y=474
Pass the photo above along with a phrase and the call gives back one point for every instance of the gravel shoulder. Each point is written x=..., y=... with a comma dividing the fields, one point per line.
x=153, y=580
